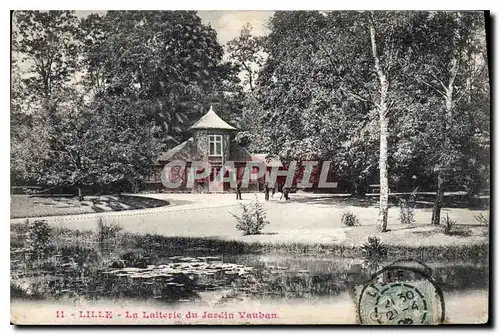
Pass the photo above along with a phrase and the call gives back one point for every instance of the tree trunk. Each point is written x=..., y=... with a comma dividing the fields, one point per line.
x=436, y=210
x=384, y=133
x=80, y=194
x=353, y=187
x=384, y=180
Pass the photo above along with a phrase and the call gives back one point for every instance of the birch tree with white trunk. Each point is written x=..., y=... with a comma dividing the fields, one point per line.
x=449, y=61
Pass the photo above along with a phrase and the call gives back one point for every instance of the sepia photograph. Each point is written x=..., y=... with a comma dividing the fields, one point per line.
x=223, y=167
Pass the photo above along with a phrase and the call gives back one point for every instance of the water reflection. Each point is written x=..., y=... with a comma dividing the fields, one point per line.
x=181, y=279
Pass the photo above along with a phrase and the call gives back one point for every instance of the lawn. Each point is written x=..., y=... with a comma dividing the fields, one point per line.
x=305, y=220
x=314, y=218
x=24, y=206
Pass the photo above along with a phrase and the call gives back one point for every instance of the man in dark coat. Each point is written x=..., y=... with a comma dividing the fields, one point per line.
x=238, y=190
x=285, y=193
x=266, y=190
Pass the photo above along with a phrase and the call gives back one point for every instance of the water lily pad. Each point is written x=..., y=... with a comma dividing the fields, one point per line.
x=231, y=272
x=188, y=259
x=122, y=274
x=172, y=284
x=209, y=258
x=131, y=269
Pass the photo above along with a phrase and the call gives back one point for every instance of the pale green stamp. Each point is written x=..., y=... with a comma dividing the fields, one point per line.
x=400, y=296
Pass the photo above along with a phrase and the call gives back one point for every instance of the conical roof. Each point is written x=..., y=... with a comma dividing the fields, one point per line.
x=211, y=121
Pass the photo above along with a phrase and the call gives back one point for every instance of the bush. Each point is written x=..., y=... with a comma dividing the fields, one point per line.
x=374, y=249
x=38, y=237
x=482, y=220
x=106, y=234
x=450, y=228
x=406, y=211
x=252, y=219
x=349, y=219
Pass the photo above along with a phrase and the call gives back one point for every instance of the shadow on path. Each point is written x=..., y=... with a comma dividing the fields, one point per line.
x=422, y=201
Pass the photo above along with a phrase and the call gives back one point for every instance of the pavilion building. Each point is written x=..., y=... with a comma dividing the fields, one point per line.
x=213, y=142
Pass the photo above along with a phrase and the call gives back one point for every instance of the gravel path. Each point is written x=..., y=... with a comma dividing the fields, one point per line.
x=304, y=219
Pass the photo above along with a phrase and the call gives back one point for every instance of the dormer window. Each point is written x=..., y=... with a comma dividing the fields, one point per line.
x=215, y=145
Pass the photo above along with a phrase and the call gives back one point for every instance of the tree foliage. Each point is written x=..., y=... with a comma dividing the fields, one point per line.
x=168, y=59
x=247, y=52
x=77, y=144
x=109, y=92
x=45, y=40
x=449, y=71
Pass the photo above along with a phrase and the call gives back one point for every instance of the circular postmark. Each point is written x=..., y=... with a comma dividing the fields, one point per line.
x=400, y=295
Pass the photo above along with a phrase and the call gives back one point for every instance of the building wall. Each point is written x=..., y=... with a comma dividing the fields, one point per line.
x=201, y=140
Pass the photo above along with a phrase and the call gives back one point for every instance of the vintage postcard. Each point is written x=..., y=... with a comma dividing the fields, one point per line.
x=250, y=167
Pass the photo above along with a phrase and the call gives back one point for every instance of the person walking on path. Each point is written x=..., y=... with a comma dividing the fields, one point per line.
x=285, y=191
x=238, y=190
x=266, y=191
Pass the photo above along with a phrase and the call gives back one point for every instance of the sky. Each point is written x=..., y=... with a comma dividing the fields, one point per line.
x=226, y=23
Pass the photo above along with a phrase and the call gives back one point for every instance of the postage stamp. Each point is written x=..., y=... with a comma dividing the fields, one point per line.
x=400, y=295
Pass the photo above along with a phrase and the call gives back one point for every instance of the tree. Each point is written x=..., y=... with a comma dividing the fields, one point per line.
x=247, y=52
x=170, y=60
x=44, y=51
x=78, y=145
x=19, y=101
x=93, y=32
x=138, y=72
x=45, y=41
x=449, y=62
x=329, y=79
x=295, y=104
x=389, y=44
x=382, y=107
x=375, y=42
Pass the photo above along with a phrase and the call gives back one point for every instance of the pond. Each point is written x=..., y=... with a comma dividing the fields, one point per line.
x=217, y=279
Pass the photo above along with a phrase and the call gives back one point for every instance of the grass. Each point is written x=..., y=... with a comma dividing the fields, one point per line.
x=24, y=206
x=304, y=219
x=157, y=246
